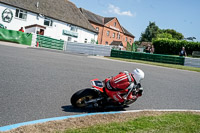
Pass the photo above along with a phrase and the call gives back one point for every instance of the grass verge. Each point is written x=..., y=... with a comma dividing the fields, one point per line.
x=159, y=64
x=174, y=122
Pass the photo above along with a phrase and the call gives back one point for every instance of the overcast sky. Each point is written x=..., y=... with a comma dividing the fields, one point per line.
x=134, y=15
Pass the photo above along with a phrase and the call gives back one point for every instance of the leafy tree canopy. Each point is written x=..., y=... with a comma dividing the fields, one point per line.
x=153, y=32
x=175, y=35
x=164, y=35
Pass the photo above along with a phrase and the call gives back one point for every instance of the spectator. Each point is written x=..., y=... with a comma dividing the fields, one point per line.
x=22, y=30
x=152, y=50
x=183, y=52
x=148, y=49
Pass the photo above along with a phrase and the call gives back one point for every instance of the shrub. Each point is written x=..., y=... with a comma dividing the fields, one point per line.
x=128, y=47
x=173, y=47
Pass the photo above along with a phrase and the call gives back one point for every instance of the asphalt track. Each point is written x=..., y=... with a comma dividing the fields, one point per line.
x=37, y=84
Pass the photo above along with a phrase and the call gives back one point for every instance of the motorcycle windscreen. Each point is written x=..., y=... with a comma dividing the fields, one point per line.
x=97, y=83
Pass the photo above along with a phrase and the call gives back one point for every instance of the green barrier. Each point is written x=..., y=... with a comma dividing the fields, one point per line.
x=149, y=57
x=51, y=43
x=15, y=36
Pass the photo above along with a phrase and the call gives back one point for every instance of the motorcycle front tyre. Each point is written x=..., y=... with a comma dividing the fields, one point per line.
x=80, y=97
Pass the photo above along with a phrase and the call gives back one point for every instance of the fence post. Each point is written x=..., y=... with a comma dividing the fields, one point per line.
x=65, y=46
x=34, y=40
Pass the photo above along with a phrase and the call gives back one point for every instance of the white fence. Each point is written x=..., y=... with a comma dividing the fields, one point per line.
x=193, y=62
x=90, y=49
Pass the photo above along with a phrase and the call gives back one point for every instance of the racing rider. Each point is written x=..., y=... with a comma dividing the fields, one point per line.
x=118, y=87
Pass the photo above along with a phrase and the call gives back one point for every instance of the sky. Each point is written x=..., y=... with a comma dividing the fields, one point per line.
x=135, y=15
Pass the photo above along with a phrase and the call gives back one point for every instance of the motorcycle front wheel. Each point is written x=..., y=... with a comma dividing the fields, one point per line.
x=80, y=98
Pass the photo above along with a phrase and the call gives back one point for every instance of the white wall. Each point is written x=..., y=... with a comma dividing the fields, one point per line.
x=55, y=31
x=86, y=34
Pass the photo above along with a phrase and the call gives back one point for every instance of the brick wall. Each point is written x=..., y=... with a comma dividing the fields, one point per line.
x=113, y=27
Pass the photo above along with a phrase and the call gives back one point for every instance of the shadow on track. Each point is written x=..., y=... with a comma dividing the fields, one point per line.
x=69, y=108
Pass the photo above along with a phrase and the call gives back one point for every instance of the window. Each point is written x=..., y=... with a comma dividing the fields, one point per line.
x=108, y=33
x=106, y=43
x=126, y=39
x=97, y=28
x=118, y=36
x=115, y=24
x=130, y=40
x=48, y=22
x=69, y=39
x=74, y=28
x=113, y=35
x=85, y=40
x=21, y=14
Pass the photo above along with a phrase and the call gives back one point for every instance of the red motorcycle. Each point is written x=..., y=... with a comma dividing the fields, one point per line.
x=97, y=97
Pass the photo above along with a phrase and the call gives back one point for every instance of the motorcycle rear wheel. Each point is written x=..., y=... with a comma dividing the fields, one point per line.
x=80, y=97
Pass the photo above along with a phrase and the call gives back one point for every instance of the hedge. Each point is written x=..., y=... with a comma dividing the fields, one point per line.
x=173, y=47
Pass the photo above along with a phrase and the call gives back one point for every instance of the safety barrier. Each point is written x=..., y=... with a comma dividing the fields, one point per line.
x=192, y=62
x=149, y=57
x=74, y=47
x=89, y=49
x=15, y=36
x=48, y=42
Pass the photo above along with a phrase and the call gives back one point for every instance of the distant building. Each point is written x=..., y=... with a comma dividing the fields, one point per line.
x=59, y=19
x=109, y=29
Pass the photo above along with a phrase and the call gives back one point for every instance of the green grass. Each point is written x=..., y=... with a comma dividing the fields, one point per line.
x=168, y=123
x=159, y=64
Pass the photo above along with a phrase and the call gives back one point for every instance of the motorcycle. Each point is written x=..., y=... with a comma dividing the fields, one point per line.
x=97, y=97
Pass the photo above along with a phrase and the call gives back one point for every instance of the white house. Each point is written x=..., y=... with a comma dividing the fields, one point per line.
x=59, y=19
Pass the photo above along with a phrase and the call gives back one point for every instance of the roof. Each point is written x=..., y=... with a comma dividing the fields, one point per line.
x=62, y=10
x=117, y=43
x=101, y=20
x=145, y=43
x=35, y=25
x=95, y=18
x=92, y=17
x=127, y=32
x=108, y=19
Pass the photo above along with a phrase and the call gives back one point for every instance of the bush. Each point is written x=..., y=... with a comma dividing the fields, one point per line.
x=128, y=47
x=173, y=47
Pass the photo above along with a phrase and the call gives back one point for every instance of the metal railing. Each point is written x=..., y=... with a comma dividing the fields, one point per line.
x=51, y=43
x=192, y=62
x=89, y=49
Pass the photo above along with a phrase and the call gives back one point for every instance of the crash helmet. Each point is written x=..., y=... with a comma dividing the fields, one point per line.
x=138, y=75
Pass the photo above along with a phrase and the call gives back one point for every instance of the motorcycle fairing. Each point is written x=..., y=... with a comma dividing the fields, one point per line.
x=97, y=84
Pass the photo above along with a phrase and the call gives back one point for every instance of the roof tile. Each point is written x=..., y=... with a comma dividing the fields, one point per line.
x=62, y=10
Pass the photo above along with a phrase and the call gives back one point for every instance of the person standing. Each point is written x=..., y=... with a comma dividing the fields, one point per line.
x=152, y=49
x=148, y=49
x=183, y=52
x=22, y=30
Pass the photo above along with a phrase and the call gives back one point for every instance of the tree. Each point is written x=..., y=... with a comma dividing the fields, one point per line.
x=154, y=32
x=134, y=47
x=190, y=38
x=164, y=35
x=128, y=47
x=137, y=42
x=151, y=32
x=175, y=35
x=92, y=41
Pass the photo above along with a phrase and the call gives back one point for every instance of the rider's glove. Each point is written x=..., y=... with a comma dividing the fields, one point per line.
x=140, y=92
